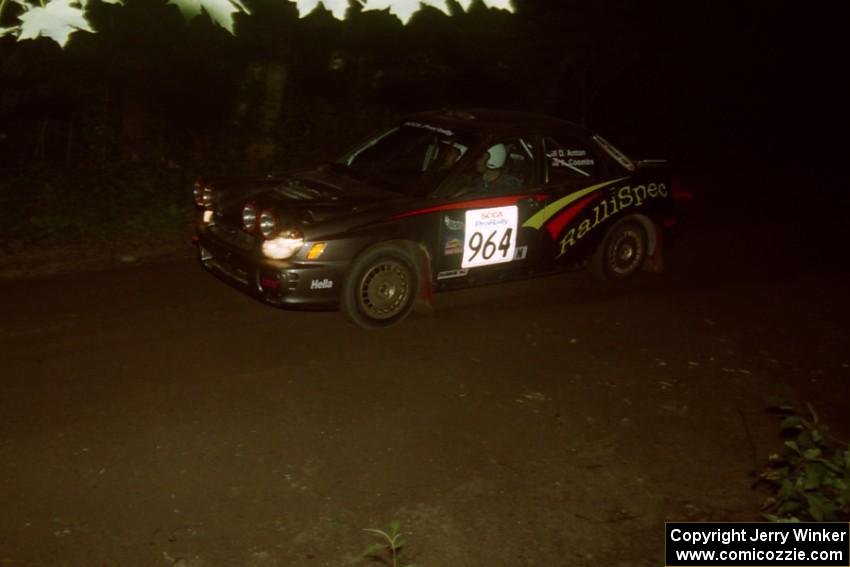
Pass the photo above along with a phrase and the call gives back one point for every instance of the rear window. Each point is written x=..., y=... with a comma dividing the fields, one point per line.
x=618, y=156
x=569, y=158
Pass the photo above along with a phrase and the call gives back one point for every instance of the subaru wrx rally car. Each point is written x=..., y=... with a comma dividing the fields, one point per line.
x=441, y=200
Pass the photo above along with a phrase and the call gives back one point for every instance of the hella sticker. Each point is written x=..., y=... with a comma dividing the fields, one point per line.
x=322, y=284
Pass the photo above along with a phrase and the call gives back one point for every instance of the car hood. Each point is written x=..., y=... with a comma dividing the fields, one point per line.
x=319, y=200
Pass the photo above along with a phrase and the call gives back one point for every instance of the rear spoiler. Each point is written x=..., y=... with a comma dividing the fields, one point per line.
x=651, y=162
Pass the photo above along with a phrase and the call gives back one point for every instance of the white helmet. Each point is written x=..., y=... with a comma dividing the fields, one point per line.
x=498, y=154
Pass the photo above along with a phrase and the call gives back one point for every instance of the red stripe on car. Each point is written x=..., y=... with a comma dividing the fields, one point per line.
x=474, y=204
x=567, y=215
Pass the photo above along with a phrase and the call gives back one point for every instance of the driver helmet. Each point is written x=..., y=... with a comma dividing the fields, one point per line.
x=497, y=155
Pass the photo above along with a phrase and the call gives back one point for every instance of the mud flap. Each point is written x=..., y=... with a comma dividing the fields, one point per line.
x=655, y=262
x=423, y=303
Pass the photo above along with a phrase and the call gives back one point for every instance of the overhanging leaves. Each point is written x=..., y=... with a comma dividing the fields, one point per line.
x=219, y=11
x=57, y=20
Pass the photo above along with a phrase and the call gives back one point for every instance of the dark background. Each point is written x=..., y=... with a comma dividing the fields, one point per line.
x=152, y=415
x=100, y=142
x=706, y=83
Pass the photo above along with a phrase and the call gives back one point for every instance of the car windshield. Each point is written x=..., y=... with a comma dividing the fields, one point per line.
x=409, y=159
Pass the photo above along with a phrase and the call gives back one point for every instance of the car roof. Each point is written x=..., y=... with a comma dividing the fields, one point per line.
x=492, y=121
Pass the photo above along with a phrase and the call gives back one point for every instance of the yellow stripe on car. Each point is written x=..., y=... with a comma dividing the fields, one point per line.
x=540, y=218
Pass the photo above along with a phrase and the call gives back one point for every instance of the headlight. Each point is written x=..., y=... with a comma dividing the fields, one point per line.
x=267, y=222
x=249, y=217
x=283, y=246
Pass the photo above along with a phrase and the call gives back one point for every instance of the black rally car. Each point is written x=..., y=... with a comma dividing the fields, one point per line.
x=441, y=200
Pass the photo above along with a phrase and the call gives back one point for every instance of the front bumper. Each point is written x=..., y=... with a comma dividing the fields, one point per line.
x=285, y=283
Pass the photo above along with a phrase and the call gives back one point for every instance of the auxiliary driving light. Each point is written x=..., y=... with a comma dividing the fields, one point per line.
x=267, y=223
x=208, y=198
x=198, y=194
x=249, y=217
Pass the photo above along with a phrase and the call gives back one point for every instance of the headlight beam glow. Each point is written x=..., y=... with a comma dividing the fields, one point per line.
x=283, y=246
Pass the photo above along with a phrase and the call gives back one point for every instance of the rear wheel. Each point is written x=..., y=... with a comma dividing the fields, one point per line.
x=622, y=252
x=380, y=287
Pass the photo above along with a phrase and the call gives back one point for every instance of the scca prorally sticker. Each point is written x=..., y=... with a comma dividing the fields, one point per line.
x=490, y=236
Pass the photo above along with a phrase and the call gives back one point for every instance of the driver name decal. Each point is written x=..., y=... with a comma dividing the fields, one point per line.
x=567, y=158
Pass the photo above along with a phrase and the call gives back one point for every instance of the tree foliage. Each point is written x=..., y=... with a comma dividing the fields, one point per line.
x=58, y=19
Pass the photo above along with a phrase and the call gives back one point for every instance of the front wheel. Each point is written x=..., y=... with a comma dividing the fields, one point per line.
x=622, y=252
x=380, y=287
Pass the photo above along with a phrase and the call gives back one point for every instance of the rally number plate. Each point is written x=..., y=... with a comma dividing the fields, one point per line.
x=489, y=236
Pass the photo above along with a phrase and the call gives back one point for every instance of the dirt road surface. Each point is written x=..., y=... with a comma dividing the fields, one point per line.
x=152, y=416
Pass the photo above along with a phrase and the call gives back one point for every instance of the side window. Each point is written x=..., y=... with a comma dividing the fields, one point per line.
x=570, y=159
x=502, y=168
x=404, y=155
x=520, y=161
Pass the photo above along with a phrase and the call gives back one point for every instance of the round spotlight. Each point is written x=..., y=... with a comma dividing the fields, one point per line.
x=208, y=198
x=267, y=223
x=198, y=194
x=249, y=217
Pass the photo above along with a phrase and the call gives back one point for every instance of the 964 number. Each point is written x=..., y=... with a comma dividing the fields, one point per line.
x=487, y=248
x=489, y=236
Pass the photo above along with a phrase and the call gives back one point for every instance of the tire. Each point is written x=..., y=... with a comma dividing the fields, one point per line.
x=380, y=288
x=622, y=252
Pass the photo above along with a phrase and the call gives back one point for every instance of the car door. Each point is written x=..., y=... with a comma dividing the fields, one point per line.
x=573, y=174
x=481, y=234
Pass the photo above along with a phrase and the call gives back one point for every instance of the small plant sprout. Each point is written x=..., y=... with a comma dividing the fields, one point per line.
x=388, y=548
